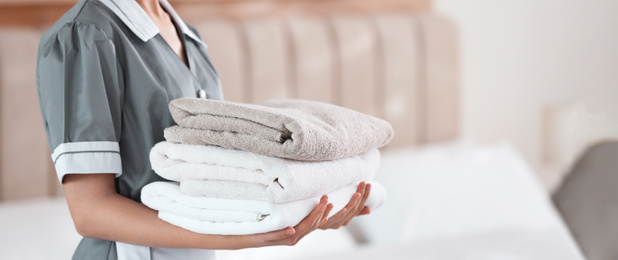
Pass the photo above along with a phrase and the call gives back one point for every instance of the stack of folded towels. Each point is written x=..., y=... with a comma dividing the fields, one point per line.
x=247, y=169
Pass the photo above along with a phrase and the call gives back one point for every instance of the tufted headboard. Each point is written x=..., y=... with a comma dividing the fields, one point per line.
x=398, y=66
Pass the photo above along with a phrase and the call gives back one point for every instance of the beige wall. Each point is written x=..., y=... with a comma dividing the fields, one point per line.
x=518, y=56
x=42, y=13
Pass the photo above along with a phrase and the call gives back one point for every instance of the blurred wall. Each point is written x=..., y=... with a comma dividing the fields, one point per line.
x=26, y=170
x=519, y=56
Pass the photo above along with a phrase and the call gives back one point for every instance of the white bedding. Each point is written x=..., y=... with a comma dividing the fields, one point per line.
x=454, y=189
x=445, y=202
x=520, y=244
x=37, y=229
x=455, y=201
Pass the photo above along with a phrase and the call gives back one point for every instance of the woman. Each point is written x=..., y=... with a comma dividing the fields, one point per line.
x=105, y=74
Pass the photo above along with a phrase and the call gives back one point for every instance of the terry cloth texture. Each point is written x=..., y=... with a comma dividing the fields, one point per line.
x=239, y=217
x=232, y=174
x=285, y=128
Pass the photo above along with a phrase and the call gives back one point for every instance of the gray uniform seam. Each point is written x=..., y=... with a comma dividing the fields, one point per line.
x=74, y=21
x=88, y=151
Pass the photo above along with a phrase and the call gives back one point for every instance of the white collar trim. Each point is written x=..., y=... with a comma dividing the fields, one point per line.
x=138, y=21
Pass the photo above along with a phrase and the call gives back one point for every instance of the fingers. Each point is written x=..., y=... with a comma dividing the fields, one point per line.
x=270, y=237
x=355, y=206
x=365, y=211
x=329, y=208
x=311, y=222
x=361, y=205
x=315, y=217
x=351, y=204
x=321, y=222
x=341, y=212
x=357, y=201
x=318, y=218
x=289, y=235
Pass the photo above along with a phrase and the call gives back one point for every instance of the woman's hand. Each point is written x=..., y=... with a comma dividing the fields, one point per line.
x=291, y=236
x=355, y=207
x=318, y=218
x=99, y=212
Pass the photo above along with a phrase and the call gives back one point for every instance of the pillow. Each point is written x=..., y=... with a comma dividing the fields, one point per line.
x=455, y=189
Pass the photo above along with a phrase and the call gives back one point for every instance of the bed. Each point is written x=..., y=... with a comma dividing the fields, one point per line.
x=448, y=198
x=446, y=201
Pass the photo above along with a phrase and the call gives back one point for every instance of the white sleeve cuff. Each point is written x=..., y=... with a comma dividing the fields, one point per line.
x=87, y=158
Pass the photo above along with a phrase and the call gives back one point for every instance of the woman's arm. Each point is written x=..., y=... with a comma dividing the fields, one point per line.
x=98, y=211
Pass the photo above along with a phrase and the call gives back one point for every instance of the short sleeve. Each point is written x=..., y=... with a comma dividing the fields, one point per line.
x=80, y=88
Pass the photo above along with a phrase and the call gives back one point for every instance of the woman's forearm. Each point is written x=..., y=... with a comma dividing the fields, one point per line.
x=98, y=211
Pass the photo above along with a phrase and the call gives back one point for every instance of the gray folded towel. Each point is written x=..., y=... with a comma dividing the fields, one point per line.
x=285, y=128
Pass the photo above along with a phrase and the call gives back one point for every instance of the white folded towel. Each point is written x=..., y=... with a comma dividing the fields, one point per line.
x=218, y=172
x=238, y=217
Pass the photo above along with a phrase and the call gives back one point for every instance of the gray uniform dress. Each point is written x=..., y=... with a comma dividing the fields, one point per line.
x=105, y=77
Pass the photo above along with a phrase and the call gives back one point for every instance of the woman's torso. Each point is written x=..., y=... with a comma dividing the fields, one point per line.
x=149, y=75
